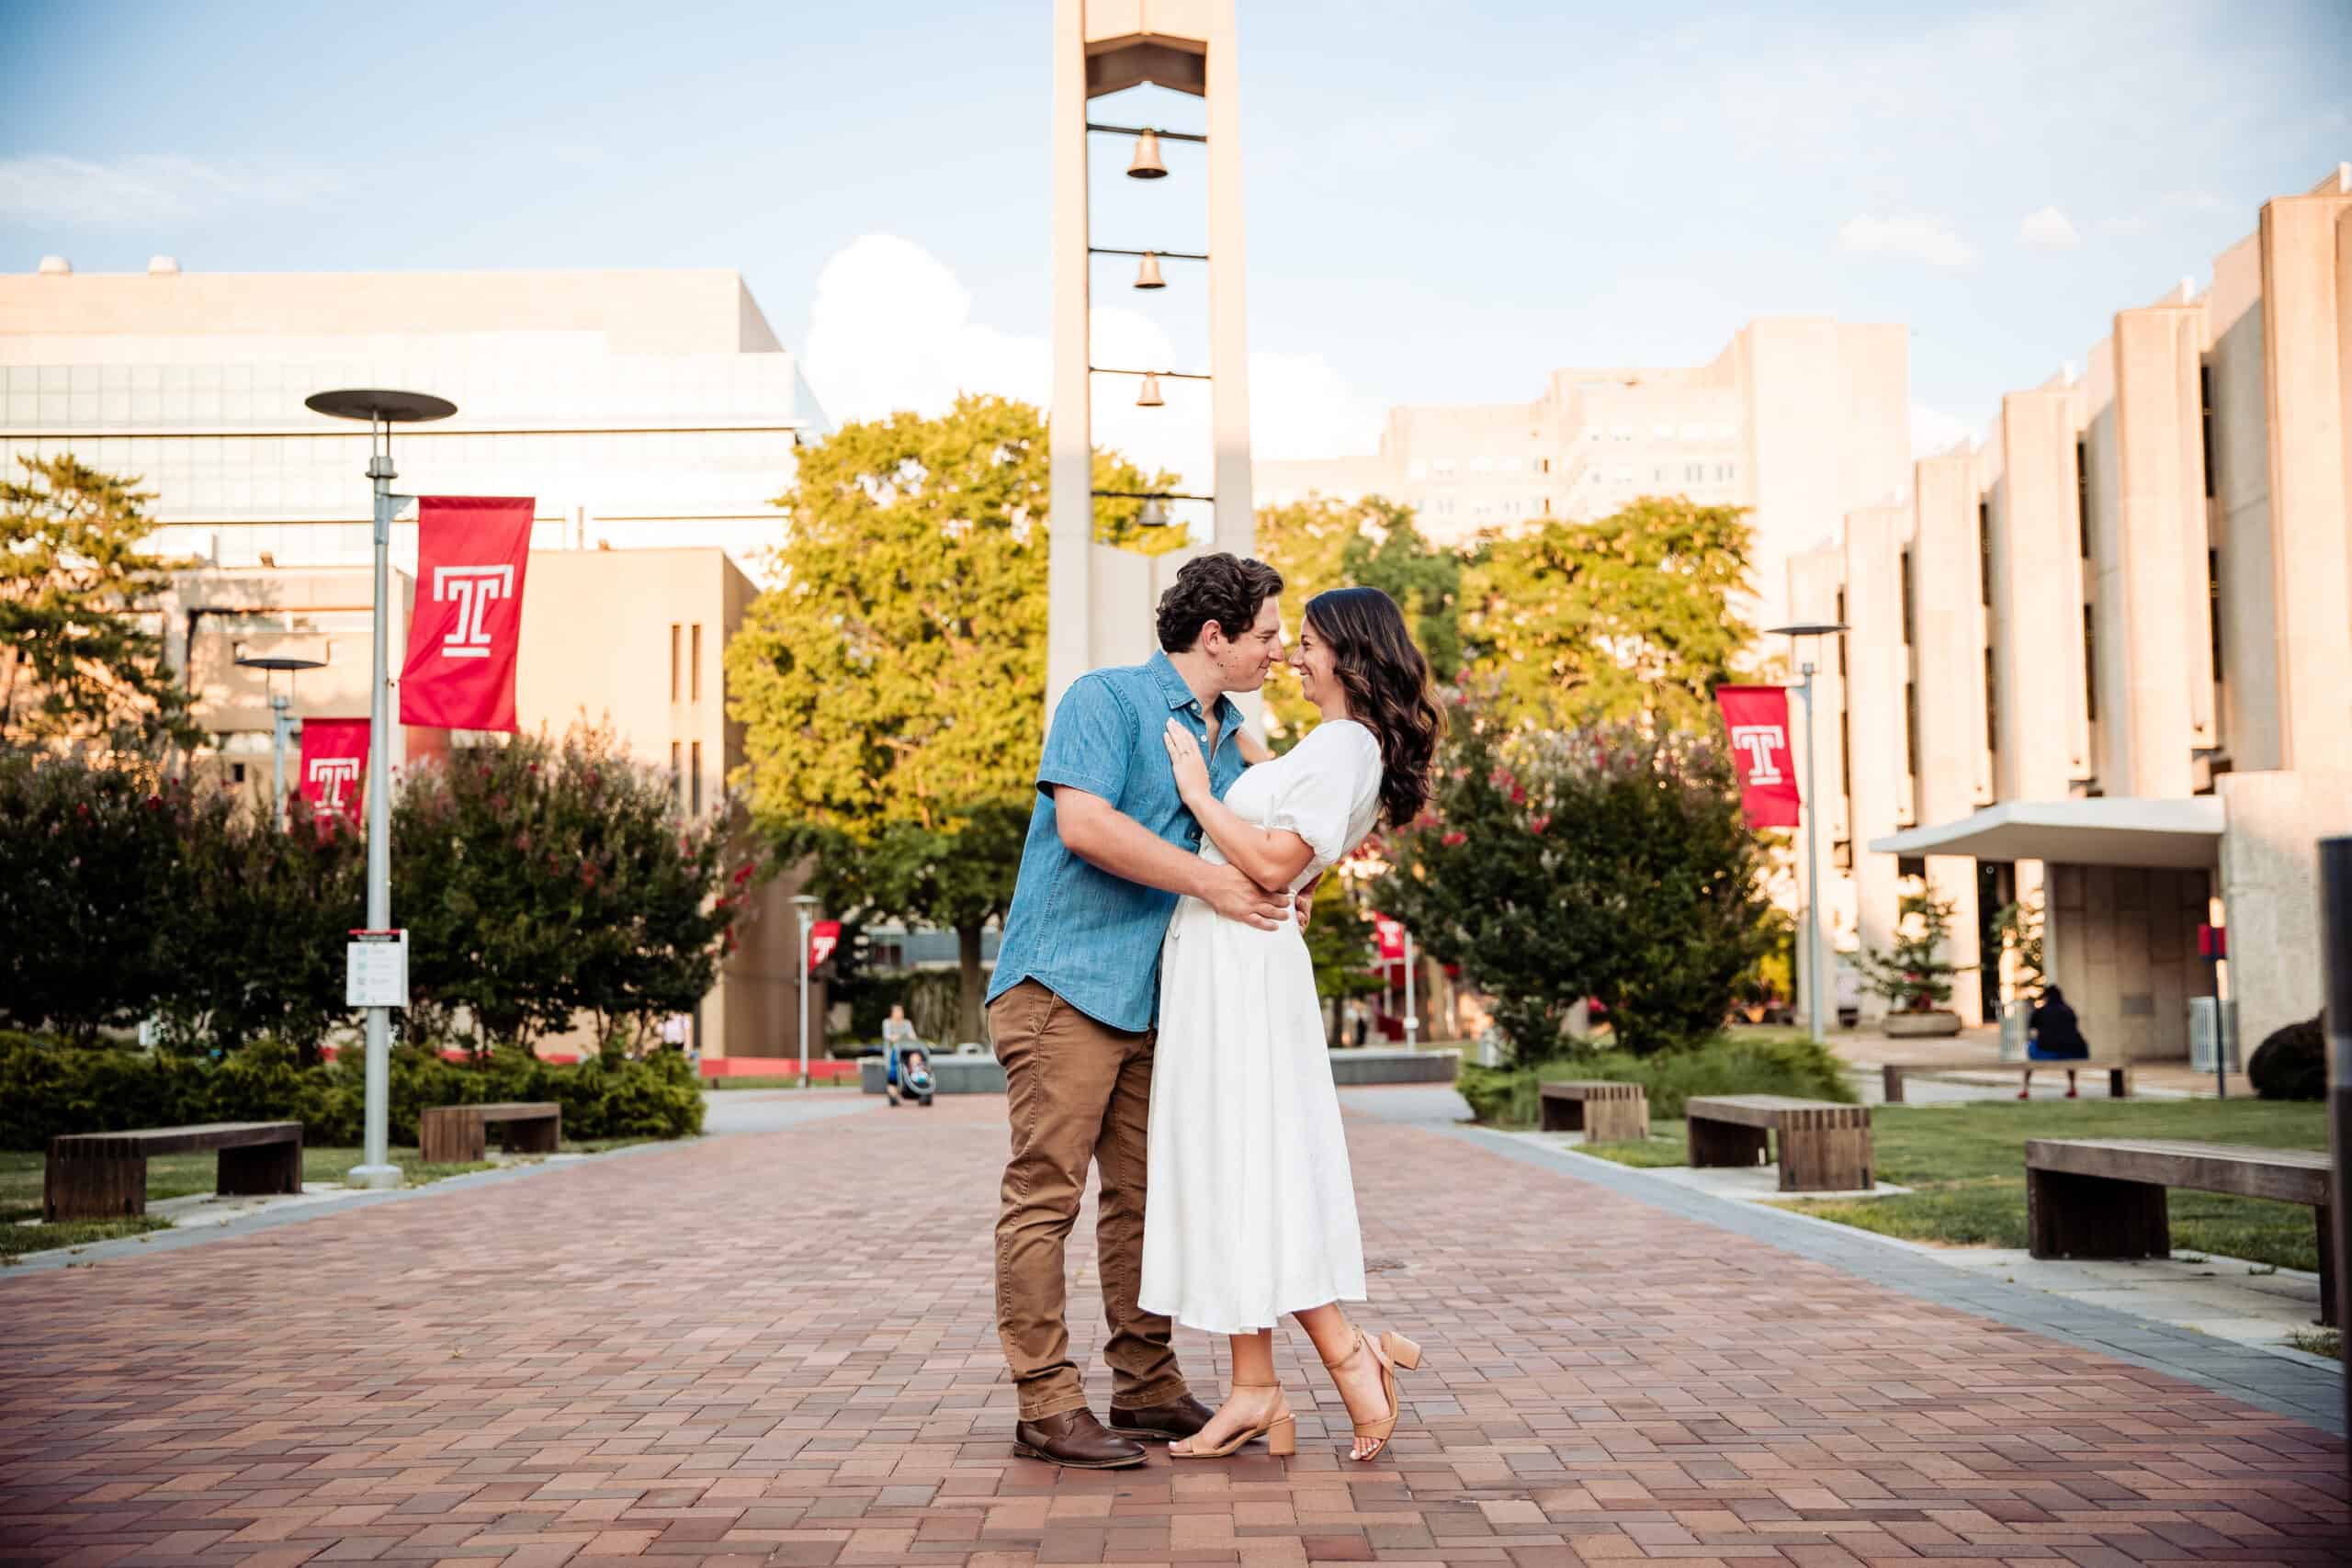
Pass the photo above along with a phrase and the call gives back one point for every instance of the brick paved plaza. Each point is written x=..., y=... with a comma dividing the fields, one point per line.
x=777, y=1349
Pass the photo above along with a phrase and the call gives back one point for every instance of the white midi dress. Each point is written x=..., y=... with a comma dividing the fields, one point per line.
x=1251, y=1214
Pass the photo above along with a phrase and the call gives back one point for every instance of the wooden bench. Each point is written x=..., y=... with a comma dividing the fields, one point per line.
x=1825, y=1147
x=1603, y=1112
x=457, y=1135
x=2118, y=1074
x=2105, y=1197
x=102, y=1176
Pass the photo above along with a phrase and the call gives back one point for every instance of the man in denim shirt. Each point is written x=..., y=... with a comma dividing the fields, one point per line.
x=1076, y=994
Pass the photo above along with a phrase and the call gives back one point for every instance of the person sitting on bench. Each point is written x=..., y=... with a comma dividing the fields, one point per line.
x=2052, y=1035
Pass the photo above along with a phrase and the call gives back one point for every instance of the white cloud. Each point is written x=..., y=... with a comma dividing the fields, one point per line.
x=2049, y=229
x=891, y=328
x=45, y=189
x=1933, y=431
x=1929, y=240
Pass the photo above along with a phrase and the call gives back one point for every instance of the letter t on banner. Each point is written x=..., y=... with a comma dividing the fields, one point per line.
x=1758, y=718
x=467, y=625
x=335, y=766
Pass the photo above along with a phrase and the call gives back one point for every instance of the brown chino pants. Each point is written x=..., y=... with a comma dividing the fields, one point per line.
x=1076, y=1090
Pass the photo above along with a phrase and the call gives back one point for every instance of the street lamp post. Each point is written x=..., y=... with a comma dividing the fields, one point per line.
x=281, y=718
x=807, y=903
x=1811, y=902
x=382, y=409
x=1412, y=1016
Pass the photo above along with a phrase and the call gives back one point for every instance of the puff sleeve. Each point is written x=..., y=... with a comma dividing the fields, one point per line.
x=1334, y=773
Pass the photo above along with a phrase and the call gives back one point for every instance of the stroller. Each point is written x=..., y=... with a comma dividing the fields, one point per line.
x=908, y=1071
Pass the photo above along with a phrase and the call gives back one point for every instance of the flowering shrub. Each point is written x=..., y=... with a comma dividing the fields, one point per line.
x=538, y=880
x=1600, y=862
x=542, y=879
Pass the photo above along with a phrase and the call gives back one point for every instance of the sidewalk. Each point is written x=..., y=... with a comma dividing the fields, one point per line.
x=777, y=1347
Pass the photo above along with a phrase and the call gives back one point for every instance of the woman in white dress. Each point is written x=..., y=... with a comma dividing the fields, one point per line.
x=1252, y=1213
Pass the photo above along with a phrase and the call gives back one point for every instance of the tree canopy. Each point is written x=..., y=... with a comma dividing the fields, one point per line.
x=892, y=685
x=1626, y=618
x=80, y=669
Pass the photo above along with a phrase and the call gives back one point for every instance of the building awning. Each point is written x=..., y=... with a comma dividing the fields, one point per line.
x=2183, y=832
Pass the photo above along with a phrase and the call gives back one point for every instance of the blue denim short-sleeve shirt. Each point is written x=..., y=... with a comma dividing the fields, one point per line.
x=1089, y=937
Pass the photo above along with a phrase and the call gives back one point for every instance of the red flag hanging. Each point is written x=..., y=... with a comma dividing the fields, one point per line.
x=467, y=625
x=823, y=937
x=1758, y=718
x=1389, y=936
x=334, y=765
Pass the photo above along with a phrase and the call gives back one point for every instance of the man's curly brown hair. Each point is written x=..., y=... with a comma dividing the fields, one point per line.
x=1223, y=588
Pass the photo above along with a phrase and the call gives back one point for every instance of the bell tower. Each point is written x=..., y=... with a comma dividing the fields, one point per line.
x=1101, y=598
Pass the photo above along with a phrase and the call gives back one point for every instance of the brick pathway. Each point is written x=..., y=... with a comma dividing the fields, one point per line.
x=777, y=1349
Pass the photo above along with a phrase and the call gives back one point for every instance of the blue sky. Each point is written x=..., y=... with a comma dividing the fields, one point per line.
x=1444, y=202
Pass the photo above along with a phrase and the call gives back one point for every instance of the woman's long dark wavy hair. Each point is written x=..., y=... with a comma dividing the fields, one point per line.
x=1387, y=681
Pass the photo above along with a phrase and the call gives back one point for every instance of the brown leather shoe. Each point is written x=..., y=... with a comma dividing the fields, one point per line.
x=1076, y=1439
x=1161, y=1423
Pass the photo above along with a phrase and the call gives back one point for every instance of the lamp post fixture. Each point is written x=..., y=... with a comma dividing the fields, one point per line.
x=807, y=903
x=281, y=720
x=382, y=409
x=1812, y=826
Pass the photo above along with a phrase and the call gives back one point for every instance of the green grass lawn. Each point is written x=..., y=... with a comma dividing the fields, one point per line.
x=179, y=1176
x=1966, y=1165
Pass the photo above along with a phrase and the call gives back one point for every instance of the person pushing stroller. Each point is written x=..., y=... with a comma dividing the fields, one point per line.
x=907, y=1065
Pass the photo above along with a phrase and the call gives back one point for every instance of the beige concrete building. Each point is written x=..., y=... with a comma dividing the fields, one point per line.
x=637, y=407
x=2123, y=624
x=1801, y=419
x=653, y=415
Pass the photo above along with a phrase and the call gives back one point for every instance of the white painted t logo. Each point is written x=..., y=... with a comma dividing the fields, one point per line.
x=473, y=587
x=330, y=774
x=1760, y=741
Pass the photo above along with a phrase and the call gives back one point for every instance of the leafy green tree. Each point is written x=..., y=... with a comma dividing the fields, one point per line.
x=79, y=667
x=1604, y=863
x=97, y=866
x=539, y=880
x=1628, y=618
x=892, y=687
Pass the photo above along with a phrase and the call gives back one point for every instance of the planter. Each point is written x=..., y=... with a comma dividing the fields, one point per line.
x=1920, y=1025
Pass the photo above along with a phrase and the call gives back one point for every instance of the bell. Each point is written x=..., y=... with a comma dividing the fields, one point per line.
x=1149, y=397
x=1146, y=164
x=1147, y=274
x=1153, y=515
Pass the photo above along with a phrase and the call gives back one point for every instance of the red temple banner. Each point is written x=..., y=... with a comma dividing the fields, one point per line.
x=333, y=772
x=1757, y=719
x=468, y=624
